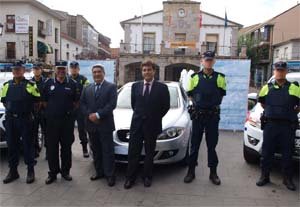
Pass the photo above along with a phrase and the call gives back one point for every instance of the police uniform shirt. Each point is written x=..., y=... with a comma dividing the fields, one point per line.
x=81, y=80
x=207, y=90
x=60, y=97
x=280, y=101
x=19, y=97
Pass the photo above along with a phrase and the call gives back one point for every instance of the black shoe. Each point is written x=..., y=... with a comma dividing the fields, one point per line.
x=111, y=181
x=11, y=176
x=128, y=184
x=190, y=176
x=215, y=179
x=30, y=176
x=263, y=180
x=50, y=179
x=147, y=182
x=67, y=177
x=97, y=176
x=288, y=182
x=85, y=151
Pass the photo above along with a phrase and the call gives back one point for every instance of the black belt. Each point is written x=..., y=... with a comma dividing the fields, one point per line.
x=18, y=115
x=279, y=121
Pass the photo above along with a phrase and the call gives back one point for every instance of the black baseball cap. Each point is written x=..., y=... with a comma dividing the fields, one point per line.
x=208, y=55
x=18, y=65
x=281, y=65
x=74, y=64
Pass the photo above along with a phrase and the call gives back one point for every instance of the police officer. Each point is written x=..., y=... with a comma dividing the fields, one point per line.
x=280, y=100
x=60, y=96
x=39, y=119
x=206, y=89
x=82, y=82
x=19, y=97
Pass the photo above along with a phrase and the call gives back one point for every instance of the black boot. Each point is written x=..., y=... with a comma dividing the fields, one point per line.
x=190, y=176
x=288, y=182
x=264, y=179
x=11, y=176
x=30, y=176
x=213, y=176
x=85, y=151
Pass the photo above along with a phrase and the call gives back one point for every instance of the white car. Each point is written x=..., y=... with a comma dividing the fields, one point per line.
x=253, y=135
x=173, y=143
x=6, y=76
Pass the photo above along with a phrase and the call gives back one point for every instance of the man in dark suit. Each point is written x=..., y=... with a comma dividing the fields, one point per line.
x=150, y=101
x=98, y=100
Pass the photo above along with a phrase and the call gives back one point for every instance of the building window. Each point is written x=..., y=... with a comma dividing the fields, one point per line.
x=56, y=55
x=11, y=50
x=212, y=42
x=180, y=37
x=41, y=32
x=277, y=53
x=285, y=54
x=68, y=46
x=68, y=55
x=10, y=23
x=149, y=42
x=56, y=35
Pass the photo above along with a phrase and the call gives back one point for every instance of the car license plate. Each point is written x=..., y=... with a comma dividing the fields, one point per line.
x=297, y=143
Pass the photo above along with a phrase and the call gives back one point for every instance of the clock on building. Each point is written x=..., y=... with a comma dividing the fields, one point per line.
x=181, y=12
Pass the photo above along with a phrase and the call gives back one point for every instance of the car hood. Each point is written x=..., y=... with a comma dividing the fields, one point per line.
x=122, y=118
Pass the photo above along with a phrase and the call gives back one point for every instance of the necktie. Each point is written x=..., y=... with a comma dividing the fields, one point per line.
x=98, y=86
x=147, y=91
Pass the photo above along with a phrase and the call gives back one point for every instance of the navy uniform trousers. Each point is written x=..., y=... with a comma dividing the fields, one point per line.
x=210, y=125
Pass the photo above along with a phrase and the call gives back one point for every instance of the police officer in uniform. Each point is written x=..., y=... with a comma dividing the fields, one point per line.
x=280, y=100
x=39, y=119
x=19, y=97
x=82, y=82
x=206, y=89
x=60, y=96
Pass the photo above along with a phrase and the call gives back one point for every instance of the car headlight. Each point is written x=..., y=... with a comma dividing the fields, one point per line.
x=170, y=133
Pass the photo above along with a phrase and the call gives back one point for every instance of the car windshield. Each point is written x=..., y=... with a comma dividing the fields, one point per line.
x=124, y=100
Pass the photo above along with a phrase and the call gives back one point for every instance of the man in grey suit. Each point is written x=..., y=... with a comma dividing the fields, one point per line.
x=98, y=100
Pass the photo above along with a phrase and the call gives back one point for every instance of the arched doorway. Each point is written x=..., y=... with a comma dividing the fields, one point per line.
x=133, y=72
x=172, y=72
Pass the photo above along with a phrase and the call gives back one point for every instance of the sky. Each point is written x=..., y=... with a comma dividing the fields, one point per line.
x=106, y=15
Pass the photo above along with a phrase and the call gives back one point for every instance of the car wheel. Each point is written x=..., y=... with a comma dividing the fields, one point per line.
x=250, y=155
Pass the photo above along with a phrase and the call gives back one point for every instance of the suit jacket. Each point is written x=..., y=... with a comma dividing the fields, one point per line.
x=104, y=105
x=149, y=113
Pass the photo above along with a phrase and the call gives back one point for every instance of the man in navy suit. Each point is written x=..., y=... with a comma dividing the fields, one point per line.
x=98, y=100
x=150, y=101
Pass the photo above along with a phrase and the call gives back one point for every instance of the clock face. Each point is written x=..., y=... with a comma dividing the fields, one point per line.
x=181, y=13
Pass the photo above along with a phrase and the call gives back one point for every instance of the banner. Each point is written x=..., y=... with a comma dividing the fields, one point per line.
x=234, y=105
x=30, y=41
x=22, y=24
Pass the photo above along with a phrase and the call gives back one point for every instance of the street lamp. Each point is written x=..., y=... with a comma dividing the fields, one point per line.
x=1, y=29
